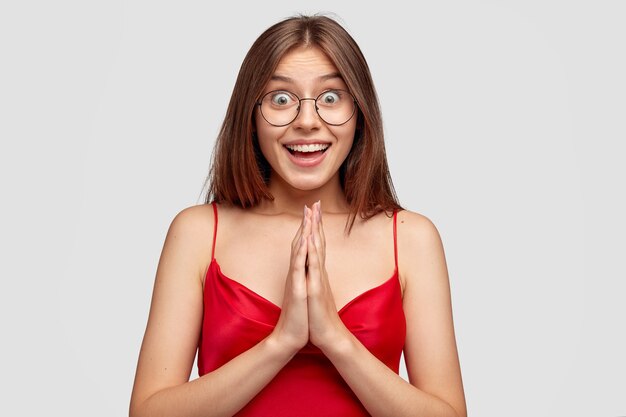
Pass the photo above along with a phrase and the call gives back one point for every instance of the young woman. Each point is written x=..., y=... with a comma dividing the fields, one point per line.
x=302, y=280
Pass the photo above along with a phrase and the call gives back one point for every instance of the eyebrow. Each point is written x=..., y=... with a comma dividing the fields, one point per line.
x=332, y=75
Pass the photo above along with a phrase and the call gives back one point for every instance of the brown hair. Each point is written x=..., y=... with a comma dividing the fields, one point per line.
x=239, y=172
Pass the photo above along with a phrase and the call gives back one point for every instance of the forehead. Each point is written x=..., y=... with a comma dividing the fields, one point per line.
x=305, y=64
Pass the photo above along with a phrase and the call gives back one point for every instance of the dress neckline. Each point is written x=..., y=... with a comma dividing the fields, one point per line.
x=391, y=280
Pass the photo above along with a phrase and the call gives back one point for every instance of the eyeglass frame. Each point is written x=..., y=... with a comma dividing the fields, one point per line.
x=300, y=100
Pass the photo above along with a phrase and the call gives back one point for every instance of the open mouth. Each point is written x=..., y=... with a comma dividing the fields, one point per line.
x=308, y=151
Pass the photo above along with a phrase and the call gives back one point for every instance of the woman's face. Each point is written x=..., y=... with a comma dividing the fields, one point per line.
x=307, y=72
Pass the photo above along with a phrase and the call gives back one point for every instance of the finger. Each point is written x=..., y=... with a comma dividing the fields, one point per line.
x=320, y=238
x=316, y=230
x=296, y=240
x=322, y=235
x=299, y=255
x=306, y=232
x=307, y=228
x=315, y=210
x=299, y=264
x=314, y=269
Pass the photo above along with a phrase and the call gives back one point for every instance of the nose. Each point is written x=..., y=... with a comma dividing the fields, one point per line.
x=307, y=117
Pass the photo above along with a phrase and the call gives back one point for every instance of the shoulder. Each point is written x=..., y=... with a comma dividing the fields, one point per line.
x=193, y=221
x=199, y=219
x=419, y=245
x=416, y=229
x=190, y=236
x=194, y=226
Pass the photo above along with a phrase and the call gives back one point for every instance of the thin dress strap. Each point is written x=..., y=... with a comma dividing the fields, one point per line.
x=214, y=230
x=395, y=238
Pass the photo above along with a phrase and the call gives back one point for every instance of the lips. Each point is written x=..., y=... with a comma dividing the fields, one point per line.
x=307, y=148
x=307, y=155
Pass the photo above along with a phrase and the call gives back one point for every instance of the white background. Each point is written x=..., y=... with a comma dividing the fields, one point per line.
x=505, y=125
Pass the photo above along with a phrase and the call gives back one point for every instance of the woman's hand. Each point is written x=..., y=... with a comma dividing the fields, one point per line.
x=292, y=329
x=325, y=326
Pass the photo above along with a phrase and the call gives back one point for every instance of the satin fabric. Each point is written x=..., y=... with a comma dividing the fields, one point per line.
x=236, y=318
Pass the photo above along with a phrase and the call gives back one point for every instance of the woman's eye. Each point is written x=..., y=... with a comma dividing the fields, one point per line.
x=330, y=97
x=282, y=99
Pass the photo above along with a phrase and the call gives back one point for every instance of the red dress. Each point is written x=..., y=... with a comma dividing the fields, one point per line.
x=237, y=318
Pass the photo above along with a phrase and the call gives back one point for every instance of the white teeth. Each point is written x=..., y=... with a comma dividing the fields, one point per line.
x=308, y=148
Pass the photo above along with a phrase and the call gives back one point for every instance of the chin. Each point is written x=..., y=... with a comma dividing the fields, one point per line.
x=304, y=181
x=306, y=185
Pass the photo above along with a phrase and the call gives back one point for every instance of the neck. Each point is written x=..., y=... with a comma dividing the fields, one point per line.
x=288, y=199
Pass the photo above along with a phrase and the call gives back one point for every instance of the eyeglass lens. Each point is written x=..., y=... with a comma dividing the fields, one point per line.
x=280, y=108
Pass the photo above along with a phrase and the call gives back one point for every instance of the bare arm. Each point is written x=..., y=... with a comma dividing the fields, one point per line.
x=435, y=388
x=162, y=386
x=222, y=392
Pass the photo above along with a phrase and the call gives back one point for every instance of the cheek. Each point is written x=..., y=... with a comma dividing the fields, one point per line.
x=268, y=137
x=346, y=135
x=265, y=147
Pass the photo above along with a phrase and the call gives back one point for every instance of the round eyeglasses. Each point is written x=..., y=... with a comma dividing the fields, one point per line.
x=281, y=107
